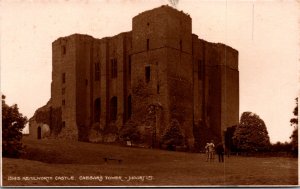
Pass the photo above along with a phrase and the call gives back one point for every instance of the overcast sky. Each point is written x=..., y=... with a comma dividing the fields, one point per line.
x=266, y=34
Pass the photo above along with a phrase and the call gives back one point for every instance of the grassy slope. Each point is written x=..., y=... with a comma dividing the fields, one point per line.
x=65, y=158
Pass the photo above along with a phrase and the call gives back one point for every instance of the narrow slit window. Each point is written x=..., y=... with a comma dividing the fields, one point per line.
x=147, y=74
x=63, y=77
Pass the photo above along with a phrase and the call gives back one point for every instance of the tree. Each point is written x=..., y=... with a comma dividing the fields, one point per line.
x=12, y=124
x=173, y=137
x=251, y=134
x=294, y=123
x=130, y=132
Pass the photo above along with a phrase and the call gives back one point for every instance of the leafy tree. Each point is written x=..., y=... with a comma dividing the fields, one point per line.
x=251, y=134
x=294, y=123
x=12, y=124
x=173, y=136
x=130, y=132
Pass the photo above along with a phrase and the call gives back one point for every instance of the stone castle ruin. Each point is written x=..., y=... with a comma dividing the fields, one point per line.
x=156, y=85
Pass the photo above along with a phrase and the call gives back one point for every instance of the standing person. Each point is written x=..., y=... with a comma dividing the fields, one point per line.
x=210, y=148
x=220, y=152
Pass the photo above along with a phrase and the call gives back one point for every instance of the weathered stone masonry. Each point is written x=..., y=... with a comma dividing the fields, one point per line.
x=157, y=73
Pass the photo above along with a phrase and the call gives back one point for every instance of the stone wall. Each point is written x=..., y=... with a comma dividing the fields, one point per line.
x=169, y=74
x=48, y=119
x=63, y=93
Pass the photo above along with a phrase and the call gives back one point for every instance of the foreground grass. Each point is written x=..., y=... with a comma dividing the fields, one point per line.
x=72, y=160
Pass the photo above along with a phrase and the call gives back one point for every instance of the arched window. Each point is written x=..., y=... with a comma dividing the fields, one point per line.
x=97, y=110
x=113, y=108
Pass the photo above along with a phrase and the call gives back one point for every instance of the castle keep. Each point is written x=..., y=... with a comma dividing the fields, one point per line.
x=148, y=80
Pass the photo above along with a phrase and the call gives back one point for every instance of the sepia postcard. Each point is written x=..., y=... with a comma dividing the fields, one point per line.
x=167, y=93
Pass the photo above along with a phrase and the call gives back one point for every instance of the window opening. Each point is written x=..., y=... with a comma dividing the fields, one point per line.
x=147, y=73
x=63, y=77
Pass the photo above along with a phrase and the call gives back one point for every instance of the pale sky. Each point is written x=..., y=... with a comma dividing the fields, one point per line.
x=266, y=34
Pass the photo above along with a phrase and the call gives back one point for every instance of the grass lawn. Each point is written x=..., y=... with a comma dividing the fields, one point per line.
x=69, y=163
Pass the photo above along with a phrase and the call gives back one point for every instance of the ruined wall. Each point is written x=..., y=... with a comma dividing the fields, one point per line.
x=105, y=52
x=201, y=130
x=223, y=87
x=213, y=88
x=148, y=52
x=230, y=87
x=63, y=86
x=180, y=71
x=180, y=92
x=83, y=61
x=102, y=90
x=216, y=95
x=116, y=51
x=48, y=120
x=39, y=123
x=162, y=43
x=168, y=74
x=221, y=84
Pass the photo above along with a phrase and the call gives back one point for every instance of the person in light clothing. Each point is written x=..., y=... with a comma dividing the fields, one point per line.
x=210, y=148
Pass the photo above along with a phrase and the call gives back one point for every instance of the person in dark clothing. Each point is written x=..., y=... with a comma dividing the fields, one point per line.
x=220, y=152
